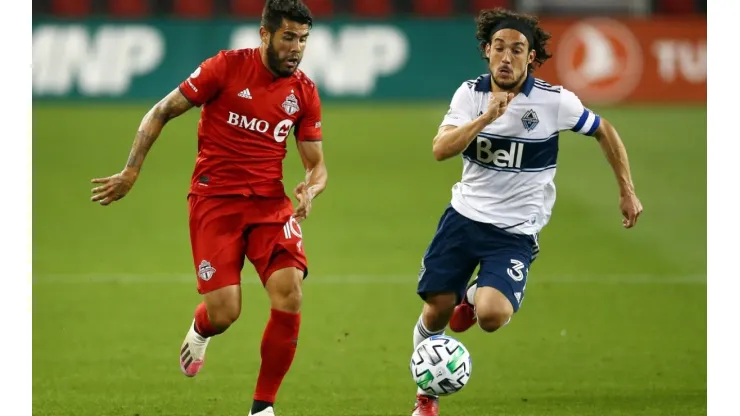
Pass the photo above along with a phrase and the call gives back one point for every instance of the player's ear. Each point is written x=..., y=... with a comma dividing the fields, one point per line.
x=264, y=35
x=532, y=55
x=488, y=51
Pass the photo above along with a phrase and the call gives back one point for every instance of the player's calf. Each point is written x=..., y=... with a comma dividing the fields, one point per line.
x=219, y=309
x=280, y=339
x=434, y=316
x=493, y=309
x=437, y=310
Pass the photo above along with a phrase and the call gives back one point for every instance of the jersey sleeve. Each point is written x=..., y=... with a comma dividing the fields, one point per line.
x=572, y=115
x=308, y=127
x=462, y=108
x=206, y=81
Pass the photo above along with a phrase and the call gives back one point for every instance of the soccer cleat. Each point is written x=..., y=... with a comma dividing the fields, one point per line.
x=426, y=406
x=267, y=412
x=463, y=317
x=193, y=352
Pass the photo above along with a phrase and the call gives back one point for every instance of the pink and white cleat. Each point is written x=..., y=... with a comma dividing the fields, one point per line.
x=193, y=352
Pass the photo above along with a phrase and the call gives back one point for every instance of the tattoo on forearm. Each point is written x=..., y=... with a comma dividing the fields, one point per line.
x=142, y=144
x=172, y=106
x=131, y=162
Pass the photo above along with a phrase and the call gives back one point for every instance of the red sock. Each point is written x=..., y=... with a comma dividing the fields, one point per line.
x=202, y=323
x=279, y=343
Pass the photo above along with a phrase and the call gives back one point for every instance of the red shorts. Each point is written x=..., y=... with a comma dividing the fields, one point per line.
x=225, y=229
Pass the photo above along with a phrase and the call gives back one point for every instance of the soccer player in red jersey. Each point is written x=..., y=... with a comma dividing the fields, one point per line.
x=250, y=99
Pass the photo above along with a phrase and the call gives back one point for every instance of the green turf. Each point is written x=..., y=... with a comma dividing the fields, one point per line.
x=614, y=321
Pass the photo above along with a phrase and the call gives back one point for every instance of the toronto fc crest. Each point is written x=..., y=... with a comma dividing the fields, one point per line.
x=290, y=105
x=205, y=270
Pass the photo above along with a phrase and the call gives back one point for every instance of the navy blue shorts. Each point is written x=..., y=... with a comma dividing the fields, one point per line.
x=461, y=244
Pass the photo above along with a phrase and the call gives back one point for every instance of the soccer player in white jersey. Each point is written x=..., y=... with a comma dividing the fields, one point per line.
x=506, y=125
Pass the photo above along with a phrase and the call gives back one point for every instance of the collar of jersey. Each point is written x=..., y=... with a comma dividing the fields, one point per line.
x=485, y=84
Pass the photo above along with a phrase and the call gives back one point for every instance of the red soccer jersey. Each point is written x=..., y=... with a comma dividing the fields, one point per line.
x=247, y=113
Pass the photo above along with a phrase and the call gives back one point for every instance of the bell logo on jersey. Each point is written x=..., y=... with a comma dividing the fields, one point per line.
x=501, y=158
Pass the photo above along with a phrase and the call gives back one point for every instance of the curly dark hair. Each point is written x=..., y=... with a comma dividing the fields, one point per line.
x=488, y=19
x=277, y=10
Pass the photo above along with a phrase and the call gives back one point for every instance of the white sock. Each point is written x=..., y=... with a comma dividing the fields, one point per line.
x=470, y=294
x=420, y=334
x=196, y=337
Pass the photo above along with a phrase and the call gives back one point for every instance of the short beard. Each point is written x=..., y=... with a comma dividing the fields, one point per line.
x=509, y=85
x=273, y=61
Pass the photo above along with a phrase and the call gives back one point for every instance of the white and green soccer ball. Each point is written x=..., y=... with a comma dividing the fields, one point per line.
x=441, y=365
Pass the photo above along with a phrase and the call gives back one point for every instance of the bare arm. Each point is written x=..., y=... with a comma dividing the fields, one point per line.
x=171, y=106
x=451, y=140
x=117, y=186
x=616, y=154
x=312, y=156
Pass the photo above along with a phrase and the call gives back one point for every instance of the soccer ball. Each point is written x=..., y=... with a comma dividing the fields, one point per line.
x=441, y=365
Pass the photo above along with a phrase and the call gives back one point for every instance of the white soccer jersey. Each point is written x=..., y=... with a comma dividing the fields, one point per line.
x=509, y=169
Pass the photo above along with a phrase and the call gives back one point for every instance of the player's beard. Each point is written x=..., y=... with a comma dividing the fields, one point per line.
x=509, y=85
x=275, y=63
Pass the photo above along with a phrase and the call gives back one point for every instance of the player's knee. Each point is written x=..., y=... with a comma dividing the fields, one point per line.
x=284, y=289
x=289, y=301
x=492, y=308
x=493, y=320
x=223, y=306
x=224, y=315
x=493, y=315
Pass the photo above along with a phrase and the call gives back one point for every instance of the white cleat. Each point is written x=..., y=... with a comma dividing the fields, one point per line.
x=266, y=412
x=193, y=352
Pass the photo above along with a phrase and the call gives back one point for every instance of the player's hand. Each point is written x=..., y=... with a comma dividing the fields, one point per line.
x=497, y=105
x=631, y=209
x=304, y=195
x=113, y=187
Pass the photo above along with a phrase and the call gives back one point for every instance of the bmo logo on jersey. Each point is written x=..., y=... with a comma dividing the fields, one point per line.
x=510, y=155
x=280, y=132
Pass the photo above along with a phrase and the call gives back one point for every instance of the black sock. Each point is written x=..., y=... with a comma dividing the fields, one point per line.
x=259, y=406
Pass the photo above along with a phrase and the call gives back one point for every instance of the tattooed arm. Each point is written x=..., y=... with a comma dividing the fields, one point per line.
x=117, y=186
x=173, y=105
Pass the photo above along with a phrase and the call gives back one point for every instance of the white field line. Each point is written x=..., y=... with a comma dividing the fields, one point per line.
x=354, y=279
